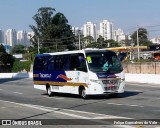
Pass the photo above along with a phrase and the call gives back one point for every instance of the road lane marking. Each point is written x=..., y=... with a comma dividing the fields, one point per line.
x=13, y=92
x=18, y=93
x=131, y=105
x=72, y=115
x=109, y=117
x=60, y=111
x=97, y=114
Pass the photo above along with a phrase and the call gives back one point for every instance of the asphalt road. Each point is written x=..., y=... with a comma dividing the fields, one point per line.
x=19, y=100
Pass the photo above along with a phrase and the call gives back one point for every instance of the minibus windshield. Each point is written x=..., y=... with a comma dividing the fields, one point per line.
x=103, y=61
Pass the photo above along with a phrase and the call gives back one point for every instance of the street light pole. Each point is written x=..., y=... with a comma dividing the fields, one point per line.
x=38, y=46
x=79, y=39
x=138, y=42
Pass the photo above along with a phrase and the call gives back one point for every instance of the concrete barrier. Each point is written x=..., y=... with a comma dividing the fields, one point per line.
x=143, y=78
x=16, y=75
x=140, y=78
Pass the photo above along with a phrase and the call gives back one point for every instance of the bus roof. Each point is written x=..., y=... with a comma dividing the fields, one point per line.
x=41, y=55
x=75, y=51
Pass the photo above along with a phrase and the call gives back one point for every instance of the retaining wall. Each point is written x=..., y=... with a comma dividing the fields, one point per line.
x=142, y=68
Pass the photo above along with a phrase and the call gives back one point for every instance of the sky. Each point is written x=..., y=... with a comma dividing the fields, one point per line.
x=125, y=14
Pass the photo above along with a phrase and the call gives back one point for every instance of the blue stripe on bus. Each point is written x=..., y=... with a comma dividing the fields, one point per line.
x=57, y=76
x=105, y=75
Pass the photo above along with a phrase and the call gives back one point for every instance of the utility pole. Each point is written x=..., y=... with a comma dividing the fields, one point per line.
x=38, y=45
x=79, y=39
x=138, y=43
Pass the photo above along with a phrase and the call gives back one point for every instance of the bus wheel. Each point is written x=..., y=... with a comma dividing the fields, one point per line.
x=49, y=92
x=82, y=93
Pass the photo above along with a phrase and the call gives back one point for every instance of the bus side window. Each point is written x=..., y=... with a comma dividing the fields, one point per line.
x=56, y=63
x=73, y=62
x=36, y=65
x=45, y=63
x=40, y=63
x=51, y=63
x=65, y=62
x=61, y=63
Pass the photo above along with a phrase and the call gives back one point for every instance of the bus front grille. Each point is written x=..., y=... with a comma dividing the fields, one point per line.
x=111, y=85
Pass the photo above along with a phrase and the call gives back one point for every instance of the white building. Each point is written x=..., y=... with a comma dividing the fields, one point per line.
x=89, y=29
x=1, y=37
x=106, y=29
x=22, y=38
x=76, y=31
x=155, y=40
x=119, y=35
x=11, y=37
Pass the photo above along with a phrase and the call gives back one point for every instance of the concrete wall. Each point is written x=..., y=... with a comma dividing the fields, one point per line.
x=142, y=68
x=140, y=78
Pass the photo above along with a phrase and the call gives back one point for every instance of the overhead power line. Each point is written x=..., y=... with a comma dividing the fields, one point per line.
x=152, y=26
x=154, y=30
x=147, y=26
x=130, y=29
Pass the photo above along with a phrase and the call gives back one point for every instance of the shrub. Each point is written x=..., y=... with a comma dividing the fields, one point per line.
x=19, y=66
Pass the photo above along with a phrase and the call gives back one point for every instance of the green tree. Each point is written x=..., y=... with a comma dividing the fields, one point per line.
x=88, y=39
x=2, y=49
x=43, y=19
x=111, y=43
x=5, y=58
x=53, y=31
x=93, y=45
x=100, y=42
x=19, y=49
x=142, y=36
x=19, y=66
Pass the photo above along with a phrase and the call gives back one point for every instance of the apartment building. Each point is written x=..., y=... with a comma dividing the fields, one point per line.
x=11, y=37
x=1, y=37
x=89, y=29
x=106, y=29
x=22, y=38
x=119, y=35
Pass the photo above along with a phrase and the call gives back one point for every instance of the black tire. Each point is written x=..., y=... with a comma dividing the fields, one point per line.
x=82, y=93
x=49, y=92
